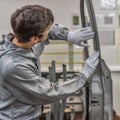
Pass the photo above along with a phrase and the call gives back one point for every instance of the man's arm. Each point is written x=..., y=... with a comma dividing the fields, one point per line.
x=59, y=32
x=29, y=88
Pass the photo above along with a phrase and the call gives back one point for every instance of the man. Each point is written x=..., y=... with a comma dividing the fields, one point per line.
x=22, y=89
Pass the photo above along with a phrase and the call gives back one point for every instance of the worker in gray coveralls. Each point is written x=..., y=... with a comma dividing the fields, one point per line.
x=22, y=89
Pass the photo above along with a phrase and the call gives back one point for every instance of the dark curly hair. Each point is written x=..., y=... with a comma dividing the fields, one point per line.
x=30, y=20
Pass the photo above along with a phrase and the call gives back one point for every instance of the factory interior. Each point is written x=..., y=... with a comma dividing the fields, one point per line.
x=99, y=98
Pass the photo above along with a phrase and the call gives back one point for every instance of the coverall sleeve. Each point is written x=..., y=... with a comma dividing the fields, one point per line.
x=29, y=88
x=58, y=32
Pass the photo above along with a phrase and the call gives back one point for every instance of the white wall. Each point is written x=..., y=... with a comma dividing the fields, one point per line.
x=116, y=90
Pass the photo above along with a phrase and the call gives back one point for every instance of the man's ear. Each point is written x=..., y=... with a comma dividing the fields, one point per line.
x=34, y=39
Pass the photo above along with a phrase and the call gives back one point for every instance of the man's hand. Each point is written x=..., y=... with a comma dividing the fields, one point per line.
x=79, y=36
x=91, y=64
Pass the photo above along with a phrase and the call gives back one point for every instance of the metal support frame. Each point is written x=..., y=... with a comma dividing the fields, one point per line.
x=98, y=95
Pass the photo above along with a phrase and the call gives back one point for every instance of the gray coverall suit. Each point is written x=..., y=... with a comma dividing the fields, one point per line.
x=22, y=89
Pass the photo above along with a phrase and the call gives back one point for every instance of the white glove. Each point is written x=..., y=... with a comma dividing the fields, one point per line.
x=79, y=36
x=90, y=65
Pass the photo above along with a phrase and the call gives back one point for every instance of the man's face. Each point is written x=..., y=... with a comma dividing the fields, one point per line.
x=44, y=34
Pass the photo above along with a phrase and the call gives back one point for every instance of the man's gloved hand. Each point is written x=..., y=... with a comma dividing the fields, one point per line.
x=79, y=36
x=91, y=64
